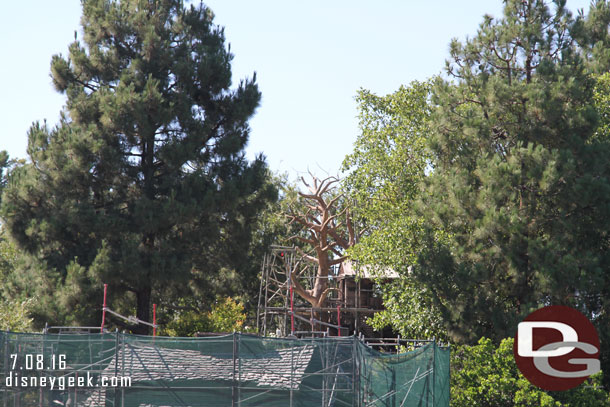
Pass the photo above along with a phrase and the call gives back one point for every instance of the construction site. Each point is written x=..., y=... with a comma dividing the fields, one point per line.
x=315, y=345
x=125, y=370
x=351, y=299
x=303, y=356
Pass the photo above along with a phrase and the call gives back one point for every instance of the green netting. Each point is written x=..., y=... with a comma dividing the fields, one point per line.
x=230, y=370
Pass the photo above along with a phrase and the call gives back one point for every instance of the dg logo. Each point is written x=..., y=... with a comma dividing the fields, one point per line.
x=556, y=348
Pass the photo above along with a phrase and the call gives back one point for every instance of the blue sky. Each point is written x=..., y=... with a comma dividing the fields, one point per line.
x=310, y=59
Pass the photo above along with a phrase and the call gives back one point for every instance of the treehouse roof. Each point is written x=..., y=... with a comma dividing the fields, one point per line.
x=349, y=269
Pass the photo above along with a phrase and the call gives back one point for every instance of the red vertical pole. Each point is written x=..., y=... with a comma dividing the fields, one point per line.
x=104, y=308
x=291, y=310
x=339, y=319
x=154, y=319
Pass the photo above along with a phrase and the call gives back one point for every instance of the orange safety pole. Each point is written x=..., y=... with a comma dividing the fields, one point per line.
x=104, y=308
x=154, y=319
x=339, y=319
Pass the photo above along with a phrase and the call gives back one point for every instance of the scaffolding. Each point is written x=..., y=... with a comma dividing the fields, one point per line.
x=281, y=312
x=230, y=370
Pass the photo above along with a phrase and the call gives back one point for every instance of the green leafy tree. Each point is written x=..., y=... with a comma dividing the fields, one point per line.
x=601, y=98
x=485, y=375
x=144, y=183
x=14, y=312
x=386, y=171
x=8, y=257
x=14, y=315
x=519, y=182
x=226, y=315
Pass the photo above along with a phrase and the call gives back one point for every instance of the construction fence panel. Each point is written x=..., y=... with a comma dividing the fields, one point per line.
x=111, y=370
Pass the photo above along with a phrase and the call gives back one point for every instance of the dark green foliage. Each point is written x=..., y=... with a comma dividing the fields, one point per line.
x=144, y=183
x=520, y=183
x=591, y=33
x=485, y=375
x=269, y=227
x=4, y=162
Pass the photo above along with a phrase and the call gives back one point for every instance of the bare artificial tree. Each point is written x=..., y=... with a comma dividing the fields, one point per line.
x=329, y=233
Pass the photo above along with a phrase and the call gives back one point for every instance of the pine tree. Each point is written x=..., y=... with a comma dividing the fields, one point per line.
x=144, y=183
x=591, y=34
x=520, y=182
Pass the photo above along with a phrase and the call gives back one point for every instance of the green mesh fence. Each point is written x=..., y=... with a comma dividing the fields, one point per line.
x=125, y=370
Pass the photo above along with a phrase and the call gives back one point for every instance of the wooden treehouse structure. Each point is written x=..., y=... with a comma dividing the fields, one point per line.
x=282, y=312
x=311, y=288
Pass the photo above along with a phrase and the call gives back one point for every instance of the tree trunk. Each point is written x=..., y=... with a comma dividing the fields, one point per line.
x=143, y=310
x=143, y=295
